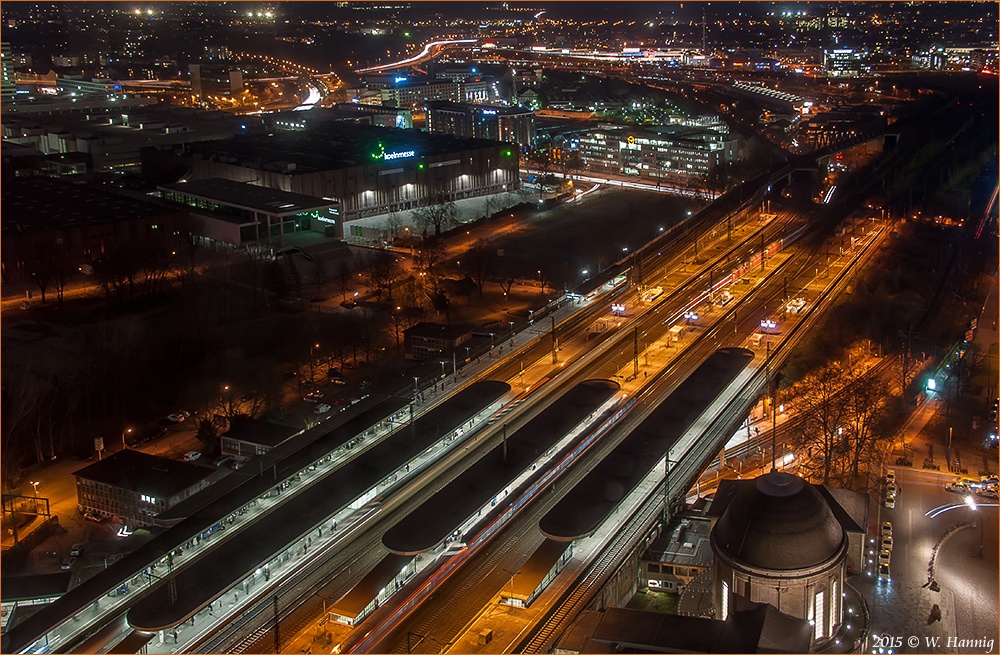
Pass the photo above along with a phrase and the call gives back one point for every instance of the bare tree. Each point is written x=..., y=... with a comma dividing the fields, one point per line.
x=479, y=262
x=393, y=224
x=384, y=271
x=821, y=432
x=439, y=215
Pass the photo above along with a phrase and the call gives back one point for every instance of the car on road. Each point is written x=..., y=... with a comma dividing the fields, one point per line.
x=987, y=493
x=887, y=528
x=890, y=501
x=883, y=573
x=76, y=550
x=884, y=556
x=191, y=456
x=90, y=516
x=322, y=408
x=313, y=397
x=887, y=542
x=892, y=489
x=364, y=384
x=890, y=476
x=176, y=418
x=958, y=487
x=68, y=563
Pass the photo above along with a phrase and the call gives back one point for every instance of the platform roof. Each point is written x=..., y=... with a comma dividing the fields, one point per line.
x=205, y=579
x=430, y=523
x=251, y=197
x=592, y=500
x=204, y=509
x=537, y=567
x=363, y=593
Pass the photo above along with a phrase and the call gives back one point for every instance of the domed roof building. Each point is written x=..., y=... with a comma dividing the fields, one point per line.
x=783, y=541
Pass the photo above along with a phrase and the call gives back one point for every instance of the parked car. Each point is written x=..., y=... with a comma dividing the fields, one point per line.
x=884, y=556
x=887, y=542
x=175, y=418
x=313, y=397
x=76, y=550
x=322, y=408
x=890, y=476
x=883, y=573
x=987, y=493
x=890, y=501
x=191, y=456
x=68, y=563
x=887, y=528
x=364, y=384
x=90, y=516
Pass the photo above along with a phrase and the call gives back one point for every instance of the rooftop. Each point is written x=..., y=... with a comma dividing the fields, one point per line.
x=44, y=203
x=149, y=474
x=262, y=433
x=251, y=197
x=778, y=521
x=331, y=146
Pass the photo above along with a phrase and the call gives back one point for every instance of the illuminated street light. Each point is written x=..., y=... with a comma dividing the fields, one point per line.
x=34, y=486
x=124, y=432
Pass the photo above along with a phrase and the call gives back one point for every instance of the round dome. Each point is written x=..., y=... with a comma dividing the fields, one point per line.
x=778, y=522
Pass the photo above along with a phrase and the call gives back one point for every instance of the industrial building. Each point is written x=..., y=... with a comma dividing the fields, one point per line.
x=367, y=170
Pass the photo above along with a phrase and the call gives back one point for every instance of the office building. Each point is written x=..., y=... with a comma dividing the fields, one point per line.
x=132, y=487
x=846, y=62
x=665, y=154
x=8, y=87
x=209, y=80
x=508, y=124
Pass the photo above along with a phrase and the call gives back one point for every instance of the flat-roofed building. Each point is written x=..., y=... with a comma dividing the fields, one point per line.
x=133, y=487
x=215, y=80
x=238, y=213
x=645, y=153
x=508, y=124
x=425, y=340
x=368, y=170
x=51, y=227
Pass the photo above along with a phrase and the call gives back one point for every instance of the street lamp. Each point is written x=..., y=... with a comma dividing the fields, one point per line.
x=510, y=604
x=972, y=506
x=124, y=432
x=34, y=486
x=511, y=332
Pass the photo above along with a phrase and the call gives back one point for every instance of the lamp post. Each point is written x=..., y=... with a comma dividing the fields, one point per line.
x=511, y=599
x=666, y=485
x=312, y=361
x=124, y=432
x=34, y=487
x=972, y=506
x=511, y=332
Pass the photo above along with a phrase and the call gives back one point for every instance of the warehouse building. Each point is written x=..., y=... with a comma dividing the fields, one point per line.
x=366, y=170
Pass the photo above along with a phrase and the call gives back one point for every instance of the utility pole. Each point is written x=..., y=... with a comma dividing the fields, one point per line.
x=555, y=342
x=277, y=636
x=635, y=352
x=504, y=443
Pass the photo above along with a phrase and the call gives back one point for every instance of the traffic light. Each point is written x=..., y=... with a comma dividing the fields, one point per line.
x=508, y=153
